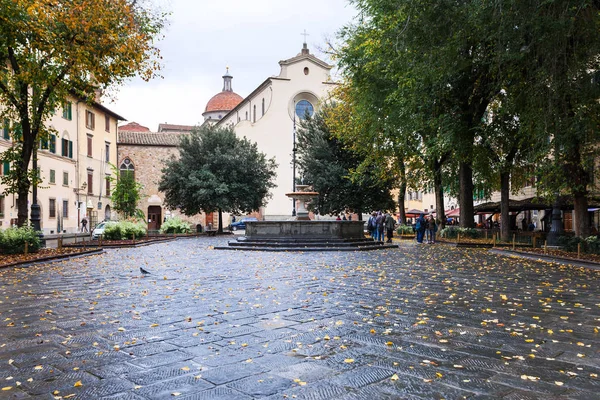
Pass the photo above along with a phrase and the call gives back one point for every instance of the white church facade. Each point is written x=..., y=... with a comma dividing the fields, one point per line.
x=269, y=115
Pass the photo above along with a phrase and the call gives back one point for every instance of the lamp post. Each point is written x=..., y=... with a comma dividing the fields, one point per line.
x=294, y=163
x=35, y=207
x=78, y=191
x=556, y=229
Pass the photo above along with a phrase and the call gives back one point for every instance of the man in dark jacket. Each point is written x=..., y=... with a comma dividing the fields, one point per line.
x=389, y=223
x=420, y=226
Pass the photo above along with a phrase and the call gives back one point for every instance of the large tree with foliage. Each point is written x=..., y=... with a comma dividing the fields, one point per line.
x=344, y=180
x=50, y=50
x=126, y=192
x=562, y=42
x=217, y=171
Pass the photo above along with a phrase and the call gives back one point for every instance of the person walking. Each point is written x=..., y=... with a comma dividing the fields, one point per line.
x=371, y=225
x=420, y=227
x=379, y=227
x=431, y=229
x=84, y=225
x=390, y=223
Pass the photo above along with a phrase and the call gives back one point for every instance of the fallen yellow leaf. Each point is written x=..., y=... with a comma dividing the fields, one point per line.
x=77, y=384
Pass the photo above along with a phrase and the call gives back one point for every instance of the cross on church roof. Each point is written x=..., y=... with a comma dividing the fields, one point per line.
x=305, y=35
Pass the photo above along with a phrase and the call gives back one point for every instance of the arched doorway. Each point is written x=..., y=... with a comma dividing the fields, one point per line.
x=107, y=213
x=154, y=218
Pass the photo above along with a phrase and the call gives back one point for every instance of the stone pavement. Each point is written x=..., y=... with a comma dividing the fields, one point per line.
x=415, y=322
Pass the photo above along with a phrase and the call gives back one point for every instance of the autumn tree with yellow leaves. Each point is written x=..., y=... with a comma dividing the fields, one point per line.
x=51, y=49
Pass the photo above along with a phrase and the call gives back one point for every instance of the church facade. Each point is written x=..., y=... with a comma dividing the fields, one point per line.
x=269, y=115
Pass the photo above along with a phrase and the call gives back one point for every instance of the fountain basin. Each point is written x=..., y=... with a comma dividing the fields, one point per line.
x=305, y=229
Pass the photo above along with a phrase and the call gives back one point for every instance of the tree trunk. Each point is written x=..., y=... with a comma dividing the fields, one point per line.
x=359, y=212
x=466, y=195
x=23, y=182
x=504, y=206
x=402, y=194
x=580, y=217
x=401, y=208
x=439, y=194
x=220, y=229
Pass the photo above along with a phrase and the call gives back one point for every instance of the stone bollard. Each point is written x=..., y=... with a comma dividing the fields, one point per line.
x=514, y=238
x=100, y=241
x=134, y=238
x=26, y=248
x=60, y=243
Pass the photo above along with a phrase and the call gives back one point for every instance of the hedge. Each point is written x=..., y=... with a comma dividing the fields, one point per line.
x=12, y=240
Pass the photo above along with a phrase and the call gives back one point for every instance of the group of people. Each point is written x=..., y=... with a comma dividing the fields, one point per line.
x=425, y=228
x=380, y=226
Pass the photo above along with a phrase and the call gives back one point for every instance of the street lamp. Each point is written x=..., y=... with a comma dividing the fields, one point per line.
x=78, y=191
x=294, y=163
x=35, y=207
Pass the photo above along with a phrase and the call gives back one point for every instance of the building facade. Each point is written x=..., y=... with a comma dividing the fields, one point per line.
x=269, y=115
x=74, y=164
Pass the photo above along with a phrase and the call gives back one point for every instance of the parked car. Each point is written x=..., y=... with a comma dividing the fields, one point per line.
x=241, y=224
x=98, y=230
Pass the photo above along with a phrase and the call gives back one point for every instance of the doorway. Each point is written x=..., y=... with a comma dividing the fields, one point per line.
x=154, y=218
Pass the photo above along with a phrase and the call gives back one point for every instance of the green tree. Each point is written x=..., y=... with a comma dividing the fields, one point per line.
x=50, y=50
x=436, y=58
x=344, y=180
x=217, y=171
x=126, y=192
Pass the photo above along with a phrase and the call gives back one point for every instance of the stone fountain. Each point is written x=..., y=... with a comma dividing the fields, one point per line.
x=303, y=234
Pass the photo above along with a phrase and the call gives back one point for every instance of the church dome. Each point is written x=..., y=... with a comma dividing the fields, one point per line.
x=224, y=101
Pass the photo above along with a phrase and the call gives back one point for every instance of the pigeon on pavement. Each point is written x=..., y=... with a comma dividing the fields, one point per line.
x=144, y=272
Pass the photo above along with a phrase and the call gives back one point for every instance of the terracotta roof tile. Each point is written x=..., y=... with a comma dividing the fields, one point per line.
x=224, y=101
x=150, y=138
x=133, y=127
x=174, y=128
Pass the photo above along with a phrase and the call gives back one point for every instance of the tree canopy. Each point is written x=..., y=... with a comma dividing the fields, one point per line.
x=217, y=171
x=126, y=192
x=344, y=180
x=466, y=87
x=50, y=50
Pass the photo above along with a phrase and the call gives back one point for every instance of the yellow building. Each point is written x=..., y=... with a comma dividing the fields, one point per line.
x=74, y=166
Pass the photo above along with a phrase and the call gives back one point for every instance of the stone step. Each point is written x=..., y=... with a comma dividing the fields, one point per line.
x=322, y=243
x=273, y=248
x=302, y=240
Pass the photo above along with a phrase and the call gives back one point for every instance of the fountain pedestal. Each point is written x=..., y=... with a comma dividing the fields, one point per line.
x=302, y=197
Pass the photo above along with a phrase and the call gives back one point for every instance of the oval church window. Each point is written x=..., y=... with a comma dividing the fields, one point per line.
x=303, y=107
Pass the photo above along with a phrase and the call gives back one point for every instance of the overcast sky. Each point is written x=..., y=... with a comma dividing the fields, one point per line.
x=206, y=36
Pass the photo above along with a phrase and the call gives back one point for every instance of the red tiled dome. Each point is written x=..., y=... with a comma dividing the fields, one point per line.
x=133, y=127
x=224, y=101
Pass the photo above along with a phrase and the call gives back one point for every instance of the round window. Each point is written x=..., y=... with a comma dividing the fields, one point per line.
x=303, y=107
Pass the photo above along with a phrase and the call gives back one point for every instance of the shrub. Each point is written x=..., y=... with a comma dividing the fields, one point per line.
x=175, y=225
x=452, y=232
x=405, y=230
x=124, y=230
x=590, y=244
x=12, y=240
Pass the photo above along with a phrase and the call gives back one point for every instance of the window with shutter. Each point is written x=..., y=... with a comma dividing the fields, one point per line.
x=53, y=144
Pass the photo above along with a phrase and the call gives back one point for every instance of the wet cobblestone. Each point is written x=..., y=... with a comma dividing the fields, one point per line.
x=418, y=322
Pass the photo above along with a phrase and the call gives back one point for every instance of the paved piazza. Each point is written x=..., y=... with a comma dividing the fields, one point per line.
x=417, y=322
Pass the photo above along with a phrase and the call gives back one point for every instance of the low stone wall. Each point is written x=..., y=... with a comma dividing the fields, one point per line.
x=305, y=229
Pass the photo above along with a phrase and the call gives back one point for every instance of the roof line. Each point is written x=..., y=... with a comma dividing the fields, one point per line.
x=261, y=86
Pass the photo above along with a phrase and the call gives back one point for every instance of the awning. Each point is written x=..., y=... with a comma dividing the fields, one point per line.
x=453, y=213
x=413, y=213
